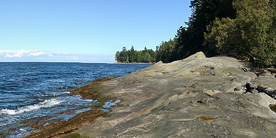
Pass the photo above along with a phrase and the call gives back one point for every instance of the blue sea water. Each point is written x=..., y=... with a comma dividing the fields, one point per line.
x=30, y=90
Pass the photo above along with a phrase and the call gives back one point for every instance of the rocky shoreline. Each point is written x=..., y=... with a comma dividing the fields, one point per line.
x=130, y=63
x=194, y=97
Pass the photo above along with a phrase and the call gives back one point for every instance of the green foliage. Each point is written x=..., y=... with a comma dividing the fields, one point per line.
x=242, y=28
x=189, y=40
x=219, y=32
x=166, y=51
x=250, y=36
x=131, y=56
x=122, y=56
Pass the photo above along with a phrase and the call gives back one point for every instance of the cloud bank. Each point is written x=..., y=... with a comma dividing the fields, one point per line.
x=47, y=56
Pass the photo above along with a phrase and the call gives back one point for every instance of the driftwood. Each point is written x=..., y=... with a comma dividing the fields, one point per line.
x=263, y=70
x=272, y=70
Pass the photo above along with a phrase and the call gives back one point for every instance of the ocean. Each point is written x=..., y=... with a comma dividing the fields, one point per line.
x=30, y=90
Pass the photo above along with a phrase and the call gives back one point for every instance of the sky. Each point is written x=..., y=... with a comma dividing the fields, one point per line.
x=85, y=30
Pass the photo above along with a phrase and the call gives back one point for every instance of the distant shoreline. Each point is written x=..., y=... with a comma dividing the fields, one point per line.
x=130, y=63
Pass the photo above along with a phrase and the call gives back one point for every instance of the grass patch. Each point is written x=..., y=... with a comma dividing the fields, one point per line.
x=270, y=130
x=207, y=118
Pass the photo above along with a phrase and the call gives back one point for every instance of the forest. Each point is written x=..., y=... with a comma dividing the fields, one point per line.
x=244, y=29
x=131, y=56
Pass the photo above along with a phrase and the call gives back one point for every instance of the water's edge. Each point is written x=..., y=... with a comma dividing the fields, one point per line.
x=35, y=96
x=100, y=108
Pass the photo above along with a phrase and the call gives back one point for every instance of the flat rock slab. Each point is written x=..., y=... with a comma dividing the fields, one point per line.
x=194, y=97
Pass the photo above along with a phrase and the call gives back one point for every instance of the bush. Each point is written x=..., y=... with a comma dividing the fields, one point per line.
x=251, y=35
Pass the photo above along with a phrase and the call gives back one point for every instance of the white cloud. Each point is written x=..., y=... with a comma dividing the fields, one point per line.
x=14, y=53
x=22, y=53
x=36, y=53
x=48, y=56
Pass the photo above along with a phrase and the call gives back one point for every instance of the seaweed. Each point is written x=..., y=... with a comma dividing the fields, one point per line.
x=207, y=118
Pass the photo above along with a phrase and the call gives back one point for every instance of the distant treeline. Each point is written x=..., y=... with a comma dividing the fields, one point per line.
x=130, y=56
x=244, y=29
x=161, y=53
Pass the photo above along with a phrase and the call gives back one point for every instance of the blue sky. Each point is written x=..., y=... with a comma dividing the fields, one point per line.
x=85, y=30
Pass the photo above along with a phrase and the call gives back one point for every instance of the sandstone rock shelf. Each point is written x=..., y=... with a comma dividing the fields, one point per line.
x=194, y=97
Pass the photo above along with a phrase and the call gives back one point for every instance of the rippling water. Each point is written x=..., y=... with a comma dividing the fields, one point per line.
x=30, y=90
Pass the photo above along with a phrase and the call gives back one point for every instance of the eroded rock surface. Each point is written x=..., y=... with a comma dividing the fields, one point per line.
x=194, y=97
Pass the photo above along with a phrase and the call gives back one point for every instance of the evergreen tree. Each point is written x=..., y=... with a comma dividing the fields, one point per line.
x=140, y=57
x=147, y=58
x=250, y=36
x=242, y=28
x=190, y=39
x=123, y=55
x=132, y=55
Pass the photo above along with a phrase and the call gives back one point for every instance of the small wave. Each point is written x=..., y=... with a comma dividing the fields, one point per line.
x=88, y=100
x=44, y=104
